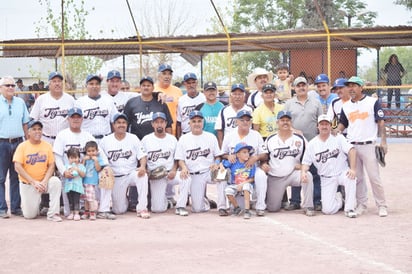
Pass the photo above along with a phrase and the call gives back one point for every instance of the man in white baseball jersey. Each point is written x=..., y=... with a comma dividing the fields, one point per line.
x=98, y=109
x=51, y=110
x=114, y=83
x=226, y=120
x=335, y=107
x=52, y=107
x=244, y=134
x=70, y=137
x=330, y=155
x=187, y=103
x=256, y=80
x=197, y=152
x=364, y=118
x=125, y=152
x=286, y=150
x=160, y=148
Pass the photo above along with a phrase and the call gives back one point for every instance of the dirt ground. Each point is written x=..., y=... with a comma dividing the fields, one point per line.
x=284, y=242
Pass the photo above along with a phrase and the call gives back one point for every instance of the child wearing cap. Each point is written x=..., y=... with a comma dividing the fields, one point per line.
x=283, y=83
x=242, y=178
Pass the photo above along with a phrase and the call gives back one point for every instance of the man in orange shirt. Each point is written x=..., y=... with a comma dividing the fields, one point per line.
x=173, y=93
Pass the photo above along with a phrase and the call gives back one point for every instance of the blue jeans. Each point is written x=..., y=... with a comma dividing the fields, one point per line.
x=6, y=164
x=295, y=197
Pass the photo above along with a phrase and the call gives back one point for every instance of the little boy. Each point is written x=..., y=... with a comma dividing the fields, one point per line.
x=242, y=178
x=283, y=83
x=93, y=163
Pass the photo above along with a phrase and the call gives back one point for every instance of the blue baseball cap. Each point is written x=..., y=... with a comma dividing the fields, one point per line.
x=321, y=78
x=189, y=75
x=34, y=122
x=242, y=113
x=282, y=114
x=340, y=82
x=164, y=67
x=241, y=146
x=55, y=74
x=93, y=77
x=158, y=115
x=146, y=78
x=117, y=116
x=74, y=111
x=195, y=113
x=113, y=74
x=238, y=86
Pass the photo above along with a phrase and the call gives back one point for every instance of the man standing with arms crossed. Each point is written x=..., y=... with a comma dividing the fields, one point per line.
x=364, y=118
x=13, y=127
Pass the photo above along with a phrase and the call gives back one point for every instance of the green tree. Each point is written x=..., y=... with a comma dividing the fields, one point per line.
x=406, y=3
x=75, y=14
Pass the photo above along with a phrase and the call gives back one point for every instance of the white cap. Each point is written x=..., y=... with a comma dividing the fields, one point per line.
x=323, y=117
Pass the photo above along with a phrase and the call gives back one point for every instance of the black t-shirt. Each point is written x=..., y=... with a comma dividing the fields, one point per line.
x=140, y=114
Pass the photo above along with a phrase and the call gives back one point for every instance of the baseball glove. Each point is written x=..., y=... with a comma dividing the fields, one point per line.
x=158, y=173
x=106, y=178
x=380, y=155
x=214, y=175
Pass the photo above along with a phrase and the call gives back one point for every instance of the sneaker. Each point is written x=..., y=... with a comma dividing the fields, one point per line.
x=383, y=212
x=172, y=201
x=144, y=214
x=18, y=213
x=106, y=215
x=212, y=203
x=351, y=214
x=260, y=212
x=309, y=211
x=247, y=214
x=318, y=207
x=361, y=210
x=70, y=217
x=131, y=208
x=92, y=216
x=181, y=211
x=169, y=204
x=43, y=211
x=284, y=205
x=223, y=212
x=55, y=218
x=237, y=211
x=293, y=206
x=86, y=215
x=4, y=215
x=76, y=217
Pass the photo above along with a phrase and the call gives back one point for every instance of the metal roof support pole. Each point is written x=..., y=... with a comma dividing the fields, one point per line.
x=378, y=74
x=325, y=25
x=139, y=38
x=63, y=66
x=124, y=67
x=229, y=45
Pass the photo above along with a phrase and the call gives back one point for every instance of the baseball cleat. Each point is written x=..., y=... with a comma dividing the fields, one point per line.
x=351, y=214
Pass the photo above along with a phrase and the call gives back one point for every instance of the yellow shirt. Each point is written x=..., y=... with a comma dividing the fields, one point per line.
x=35, y=159
x=266, y=119
x=173, y=95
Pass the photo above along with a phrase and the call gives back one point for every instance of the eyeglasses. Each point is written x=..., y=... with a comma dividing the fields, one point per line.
x=9, y=110
x=9, y=85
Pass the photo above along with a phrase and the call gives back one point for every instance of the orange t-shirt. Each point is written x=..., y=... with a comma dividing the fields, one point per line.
x=173, y=95
x=35, y=158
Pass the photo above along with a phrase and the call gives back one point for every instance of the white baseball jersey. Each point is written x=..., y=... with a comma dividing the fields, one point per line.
x=123, y=155
x=284, y=156
x=334, y=111
x=226, y=120
x=329, y=157
x=52, y=113
x=160, y=151
x=97, y=114
x=360, y=119
x=198, y=151
x=66, y=139
x=121, y=98
x=253, y=139
x=255, y=99
x=185, y=106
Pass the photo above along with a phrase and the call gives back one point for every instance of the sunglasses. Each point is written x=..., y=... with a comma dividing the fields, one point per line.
x=9, y=85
